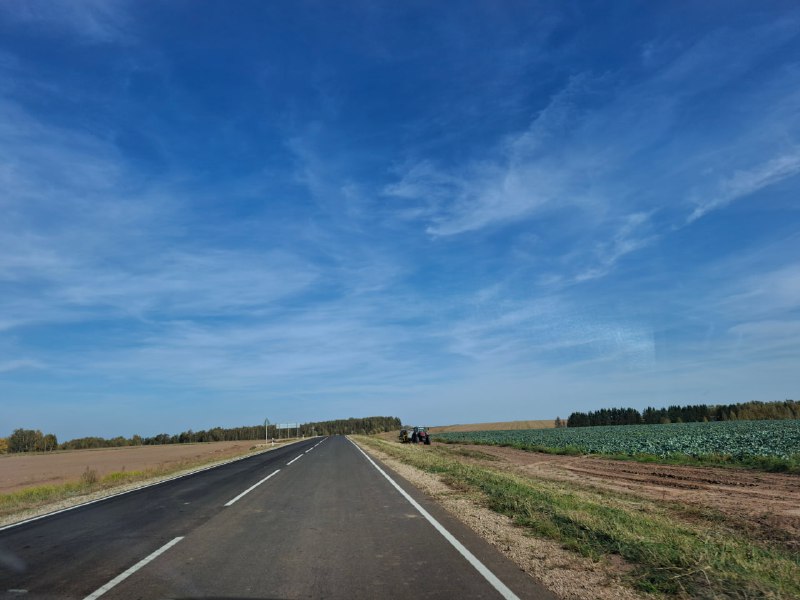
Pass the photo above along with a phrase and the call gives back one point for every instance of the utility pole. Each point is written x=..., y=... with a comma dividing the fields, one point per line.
x=266, y=428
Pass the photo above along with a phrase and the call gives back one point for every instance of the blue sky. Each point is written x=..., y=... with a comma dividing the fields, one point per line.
x=218, y=212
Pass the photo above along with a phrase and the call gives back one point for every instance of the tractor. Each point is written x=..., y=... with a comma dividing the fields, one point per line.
x=415, y=435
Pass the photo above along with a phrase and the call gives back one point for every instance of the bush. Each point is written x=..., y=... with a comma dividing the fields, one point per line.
x=89, y=476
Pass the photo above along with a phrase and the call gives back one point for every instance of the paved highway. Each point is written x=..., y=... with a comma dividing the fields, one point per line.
x=317, y=519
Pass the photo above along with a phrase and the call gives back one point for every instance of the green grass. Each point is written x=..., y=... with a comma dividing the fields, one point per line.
x=42, y=494
x=670, y=553
x=34, y=497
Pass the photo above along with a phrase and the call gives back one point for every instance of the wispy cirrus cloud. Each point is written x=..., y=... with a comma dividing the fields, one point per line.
x=20, y=363
x=98, y=249
x=764, y=294
x=93, y=21
x=495, y=213
x=607, y=150
x=634, y=233
x=745, y=182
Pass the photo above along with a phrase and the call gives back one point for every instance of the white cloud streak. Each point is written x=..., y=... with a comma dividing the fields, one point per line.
x=19, y=364
x=92, y=21
x=605, y=151
x=746, y=182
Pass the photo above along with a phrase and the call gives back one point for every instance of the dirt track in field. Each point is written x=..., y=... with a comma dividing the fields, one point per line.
x=767, y=504
x=18, y=471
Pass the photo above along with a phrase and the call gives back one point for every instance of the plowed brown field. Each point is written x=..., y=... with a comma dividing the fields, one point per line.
x=18, y=471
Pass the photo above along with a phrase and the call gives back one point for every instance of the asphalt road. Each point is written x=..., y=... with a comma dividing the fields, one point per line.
x=320, y=520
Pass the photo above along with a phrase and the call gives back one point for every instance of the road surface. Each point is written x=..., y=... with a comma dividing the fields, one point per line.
x=317, y=519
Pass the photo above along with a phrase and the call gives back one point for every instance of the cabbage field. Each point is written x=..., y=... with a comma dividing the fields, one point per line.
x=736, y=439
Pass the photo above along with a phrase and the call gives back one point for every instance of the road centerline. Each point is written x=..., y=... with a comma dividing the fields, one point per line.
x=127, y=573
x=490, y=577
x=251, y=488
x=159, y=482
x=294, y=459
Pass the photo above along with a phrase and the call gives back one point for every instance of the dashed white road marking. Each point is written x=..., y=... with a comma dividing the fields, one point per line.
x=125, y=574
x=294, y=459
x=252, y=487
x=504, y=591
x=141, y=487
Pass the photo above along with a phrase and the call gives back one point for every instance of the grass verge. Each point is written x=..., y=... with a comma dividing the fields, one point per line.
x=670, y=556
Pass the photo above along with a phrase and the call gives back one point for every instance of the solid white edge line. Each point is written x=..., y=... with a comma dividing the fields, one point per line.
x=251, y=488
x=125, y=574
x=504, y=591
x=141, y=487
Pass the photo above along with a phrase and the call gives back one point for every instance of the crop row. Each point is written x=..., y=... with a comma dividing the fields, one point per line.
x=737, y=439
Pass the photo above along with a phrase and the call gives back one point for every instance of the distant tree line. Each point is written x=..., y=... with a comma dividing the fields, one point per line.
x=692, y=413
x=366, y=426
x=29, y=440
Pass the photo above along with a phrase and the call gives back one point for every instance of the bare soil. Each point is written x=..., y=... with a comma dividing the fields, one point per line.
x=766, y=504
x=18, y=471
